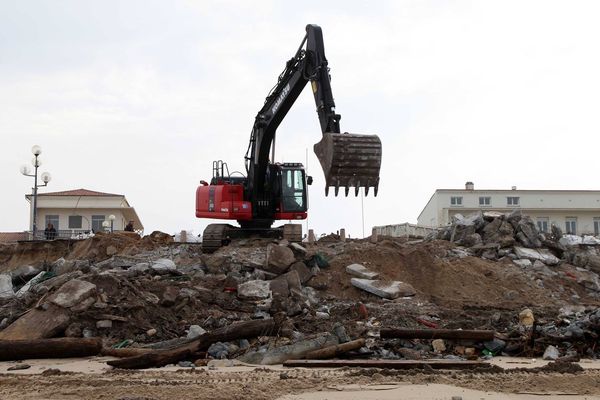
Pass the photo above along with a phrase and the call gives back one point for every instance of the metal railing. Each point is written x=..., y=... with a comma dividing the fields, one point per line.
x=59, y=234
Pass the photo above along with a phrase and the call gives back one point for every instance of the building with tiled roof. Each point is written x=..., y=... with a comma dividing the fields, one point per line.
x=83, y=211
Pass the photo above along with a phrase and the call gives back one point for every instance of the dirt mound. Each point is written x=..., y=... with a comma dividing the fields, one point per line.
x=446, y=281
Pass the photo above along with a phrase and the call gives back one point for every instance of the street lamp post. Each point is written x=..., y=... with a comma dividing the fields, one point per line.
x=111, y=218
x=36, y=150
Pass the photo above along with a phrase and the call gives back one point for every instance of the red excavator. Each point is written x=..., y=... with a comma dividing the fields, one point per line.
x=277, y=191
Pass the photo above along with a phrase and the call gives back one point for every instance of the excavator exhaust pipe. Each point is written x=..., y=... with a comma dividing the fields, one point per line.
x=350, y=160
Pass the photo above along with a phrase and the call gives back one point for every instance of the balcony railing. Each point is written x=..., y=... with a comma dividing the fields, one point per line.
x=59, y=234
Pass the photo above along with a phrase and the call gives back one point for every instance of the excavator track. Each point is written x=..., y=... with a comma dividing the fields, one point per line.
x=214, y=237
x=350, y=160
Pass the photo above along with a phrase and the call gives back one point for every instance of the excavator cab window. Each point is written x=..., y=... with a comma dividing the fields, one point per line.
x=293, y=190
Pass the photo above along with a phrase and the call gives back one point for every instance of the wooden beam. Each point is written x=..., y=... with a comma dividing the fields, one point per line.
x=159, y=358
x=456, y=334
x=388, y=364
x=334, y=351
x=49, y=348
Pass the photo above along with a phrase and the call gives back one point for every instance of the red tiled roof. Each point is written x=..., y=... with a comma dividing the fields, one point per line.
x=78, y=192
x=6, y=237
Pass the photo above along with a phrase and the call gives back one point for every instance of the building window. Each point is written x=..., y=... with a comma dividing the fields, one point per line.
x=571, y=225
x=512, y=201
x=596, y=226
x=542, y=224
x=485, y=201
x=52, y=219
x=456, y=201
x=75, y=221
x=97, y=221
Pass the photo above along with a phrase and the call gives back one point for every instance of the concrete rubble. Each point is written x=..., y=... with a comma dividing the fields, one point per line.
x=538, y=292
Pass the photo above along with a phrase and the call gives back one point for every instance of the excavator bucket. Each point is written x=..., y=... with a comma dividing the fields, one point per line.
x=350, y=160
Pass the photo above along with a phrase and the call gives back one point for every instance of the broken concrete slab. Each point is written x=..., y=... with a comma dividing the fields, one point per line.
x=279, y=258
x=33, y=281
x=543, y=255
x=298, y=248
x=72, y=293
x=361, y=271
x=524, y=263
x=163, y=266
x=37, y=324
x=303, y=272
x=6, y=287
x=254, y=290
x=387, y=290
x=570, y=240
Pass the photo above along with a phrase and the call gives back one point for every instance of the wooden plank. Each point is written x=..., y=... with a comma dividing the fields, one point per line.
x=388, y=364
x=457, y=334
x=49, y=348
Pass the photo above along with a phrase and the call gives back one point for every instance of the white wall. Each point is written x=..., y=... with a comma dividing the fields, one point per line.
x=86, y=214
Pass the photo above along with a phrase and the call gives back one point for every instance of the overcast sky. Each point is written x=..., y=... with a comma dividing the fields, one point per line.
x=139, y=97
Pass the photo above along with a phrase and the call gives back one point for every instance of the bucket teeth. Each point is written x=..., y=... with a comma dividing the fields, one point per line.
x=350, y=160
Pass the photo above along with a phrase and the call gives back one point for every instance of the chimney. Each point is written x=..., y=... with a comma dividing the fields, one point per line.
x=513, y=188
x=469, y=186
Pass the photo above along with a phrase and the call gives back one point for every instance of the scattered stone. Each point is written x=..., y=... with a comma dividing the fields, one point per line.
x=387, y=290
x=104, y=324
x=151, y=332
x=72, y=293
x=163, y=266
x=169, y=296
x=526, y=317
x=18, y=367
x=254, y=290
x=523, y=263
x=298, y=248
x=551, y=353
x=438, y=345
x=279, y=258
x=186, y=364
x=195, y=331
x=303, y=272
x=543, y=255
x=361, y=271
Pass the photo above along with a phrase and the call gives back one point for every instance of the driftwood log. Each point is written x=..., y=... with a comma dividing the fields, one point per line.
x=334, y=351
x=49, y=348
x=124, y=352
x=159, y=358
x=456, y=334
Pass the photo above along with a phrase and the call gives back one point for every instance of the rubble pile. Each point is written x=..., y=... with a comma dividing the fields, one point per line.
x=489, y=272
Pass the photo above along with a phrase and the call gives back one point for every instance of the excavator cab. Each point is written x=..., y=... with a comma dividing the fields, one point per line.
x=289, y=190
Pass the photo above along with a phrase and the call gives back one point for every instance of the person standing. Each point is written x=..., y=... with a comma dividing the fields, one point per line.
x=50, y=232
x=129, y=227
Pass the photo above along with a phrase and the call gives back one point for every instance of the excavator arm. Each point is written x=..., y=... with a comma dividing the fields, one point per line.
x=347, y=159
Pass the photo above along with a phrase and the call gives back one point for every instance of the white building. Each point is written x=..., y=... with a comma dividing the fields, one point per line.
x=82, y=211
x=574, y=211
